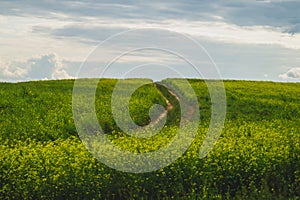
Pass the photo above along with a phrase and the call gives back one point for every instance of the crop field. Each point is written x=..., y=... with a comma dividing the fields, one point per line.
x=256, y=157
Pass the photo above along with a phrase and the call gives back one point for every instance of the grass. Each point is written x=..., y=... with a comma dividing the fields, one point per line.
x=256, y=157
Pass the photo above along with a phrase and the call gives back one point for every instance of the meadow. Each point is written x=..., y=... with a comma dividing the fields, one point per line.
x=256, y=156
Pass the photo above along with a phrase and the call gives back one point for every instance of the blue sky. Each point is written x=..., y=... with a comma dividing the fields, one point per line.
x=248, y=40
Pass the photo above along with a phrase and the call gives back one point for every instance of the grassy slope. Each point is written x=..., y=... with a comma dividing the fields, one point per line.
x=256, y=156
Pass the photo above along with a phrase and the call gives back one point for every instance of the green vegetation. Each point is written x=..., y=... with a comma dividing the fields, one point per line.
x=256, y=157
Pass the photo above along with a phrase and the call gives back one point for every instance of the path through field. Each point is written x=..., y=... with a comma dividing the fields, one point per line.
x=169, y=107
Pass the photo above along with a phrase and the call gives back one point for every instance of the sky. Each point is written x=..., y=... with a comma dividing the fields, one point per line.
x=240, y=39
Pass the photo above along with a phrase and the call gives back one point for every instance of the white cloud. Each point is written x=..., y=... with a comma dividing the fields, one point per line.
x=60, y=74
x=293, y=73
x=11, y=70
x=45, y=67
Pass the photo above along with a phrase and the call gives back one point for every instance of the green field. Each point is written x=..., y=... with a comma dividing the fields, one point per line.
x=256, y=157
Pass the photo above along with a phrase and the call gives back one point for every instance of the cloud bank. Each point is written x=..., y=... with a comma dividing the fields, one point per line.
x=40, y=67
